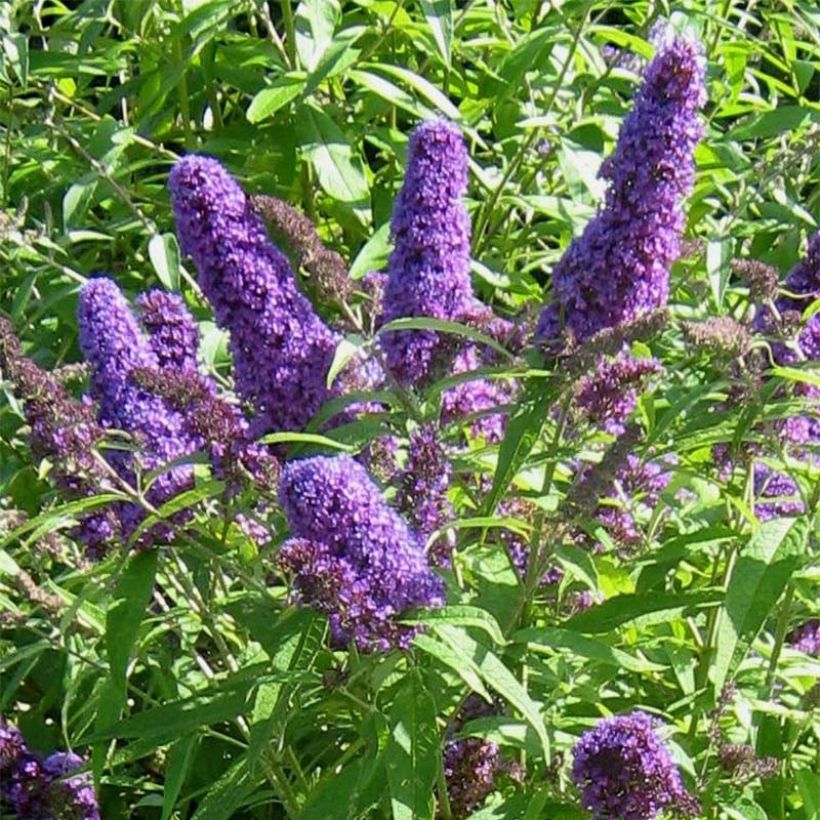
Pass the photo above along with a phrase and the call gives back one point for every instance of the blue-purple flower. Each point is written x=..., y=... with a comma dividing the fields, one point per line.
x=624, y=770
x=429, y=276
x=638, y=483
x=38, y=789
x=429, y=268
x=172, y=332
x=353, y=557
x=806, y=637
x=281, y=349
x=609, y=394
x=63, y=429
x=423, y=486
x=473, y=766
x=619, y=267
x=777, y=494
x=116, y=348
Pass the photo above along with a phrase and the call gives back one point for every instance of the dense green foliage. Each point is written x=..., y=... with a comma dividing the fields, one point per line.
x=184, y=673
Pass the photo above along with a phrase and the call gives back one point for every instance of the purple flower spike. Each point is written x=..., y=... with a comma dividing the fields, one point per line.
x=116, y=349
x=423, y=487
x=806, y=638
x=354, y=558
x=281, y=350
x=624, y=770
x=429, y=269
x=608, y=396
x=12, y=746
x=778, y=495
x=73, y=796
x=619, y=267
x=174, y=336
x=803, y=285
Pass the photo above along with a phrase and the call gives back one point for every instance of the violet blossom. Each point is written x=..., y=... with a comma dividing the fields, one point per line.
x=353, y=557
x=619, y=267
x=624, y=770
x=281, y=349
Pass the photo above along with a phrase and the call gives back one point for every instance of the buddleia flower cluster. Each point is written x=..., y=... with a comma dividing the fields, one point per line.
x=429, y=274
x=607, y=396
x=116, y=347
x=352, y=556
x=638, y=483
x=792, y=343
x=619, y=267
x=806, y=637
x=38, y=788
x=473, y=767
x=422, y=493
x=624, y=770
x=63, y=429
x=282, y=351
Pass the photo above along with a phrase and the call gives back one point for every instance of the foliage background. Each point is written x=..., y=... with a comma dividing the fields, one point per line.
x=232, y=706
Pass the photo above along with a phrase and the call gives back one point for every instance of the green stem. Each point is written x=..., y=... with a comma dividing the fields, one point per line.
x=7, y=153
x=535, y=568
x=182, y=93
x=781, y=628
x=290, y=31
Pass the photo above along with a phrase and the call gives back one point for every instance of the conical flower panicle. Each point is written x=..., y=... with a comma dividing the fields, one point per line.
x=619, y=267
x=429, y=276
x=429, y=268
x=173, y=334
x=353, y=557
x=281, y=350
x=422, y=492
x=624, y=770
x=116, y=348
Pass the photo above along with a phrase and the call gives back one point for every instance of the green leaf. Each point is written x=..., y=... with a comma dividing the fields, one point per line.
x=122, y=623
x=456, y=660
x=339, y=56
x=176, y=718
x=306, y=438
x=344, y=793
x=269, y=100
x=346, y=350
x=315, y=23
x=718, y=257
x=163, y=251
x=57, y=516
x=460, y=615
x=497, y=677
x=523, y=431
x=412, y=754
x=78, y=198
x=443, y=326
x=389, y=92
x=771, y=123
x=655, y=608
x=374, y=254
x=177, y=765
x=126, y=612
x=15, y=47
x=758, y=579
x=439, y=16
x=423, y=87
x=338, y=166
x=550, y=639
x=229, y=793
